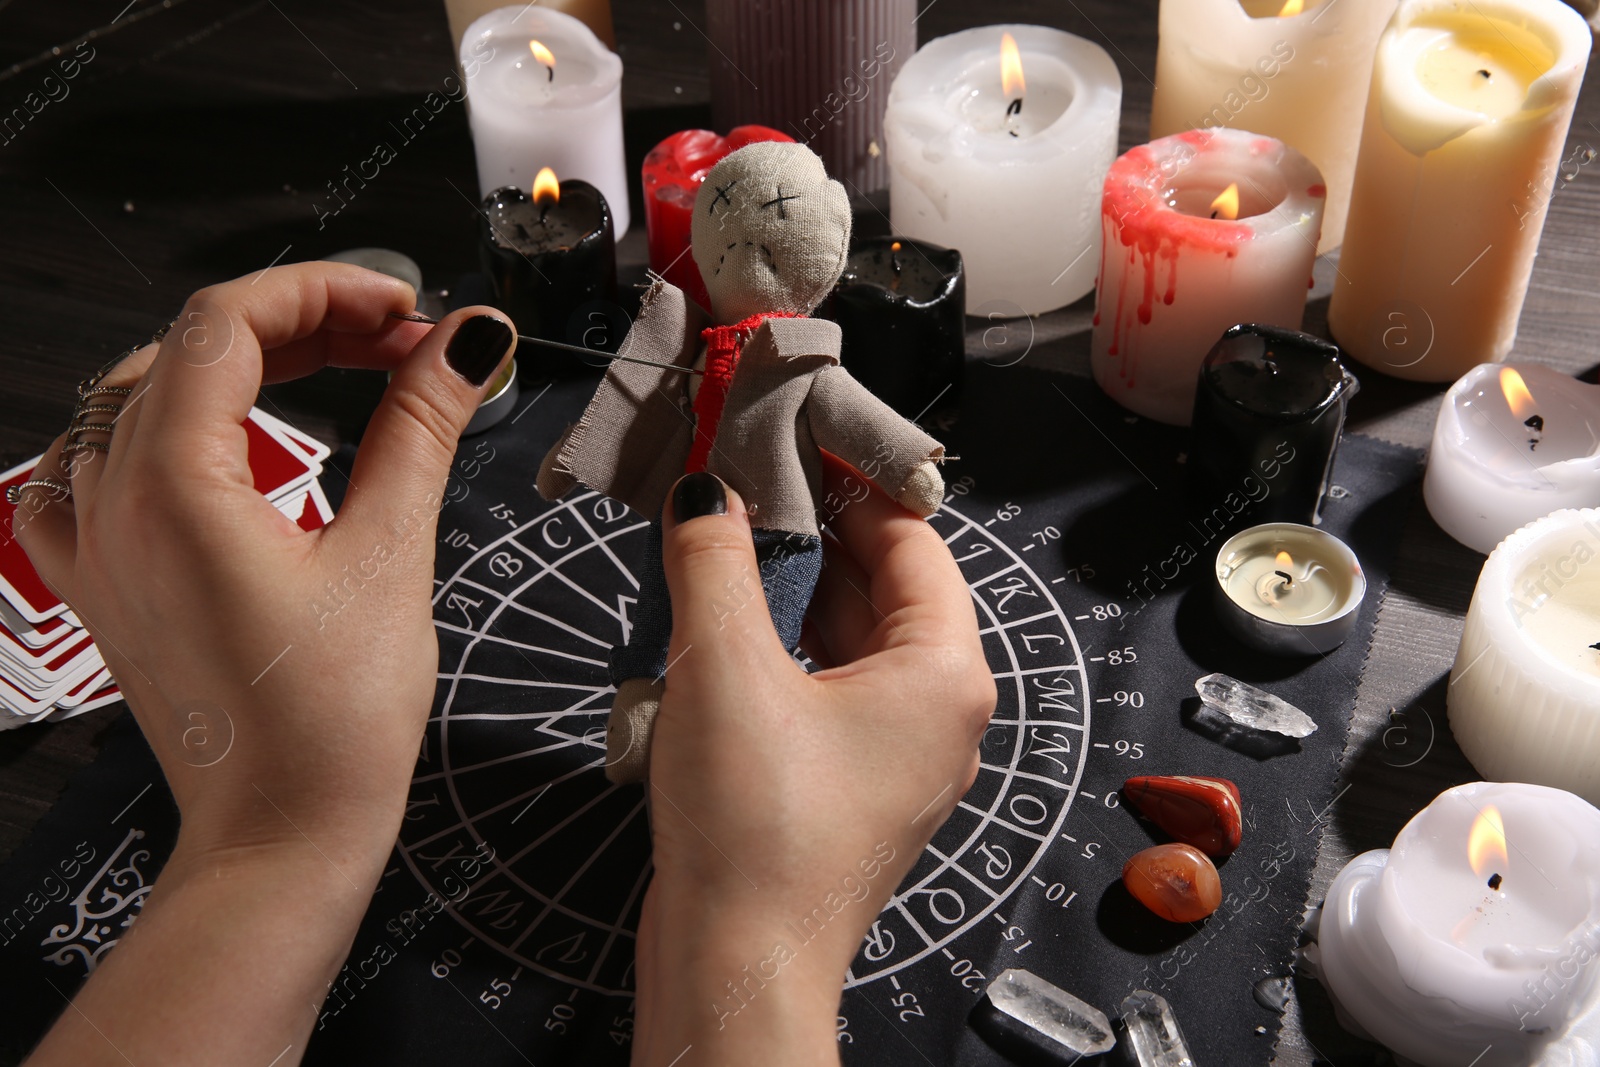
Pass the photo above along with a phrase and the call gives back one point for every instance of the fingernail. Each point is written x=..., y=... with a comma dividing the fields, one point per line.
x=475, y=350
x=698, y=494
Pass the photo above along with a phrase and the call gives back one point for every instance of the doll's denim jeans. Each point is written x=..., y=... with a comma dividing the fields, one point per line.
x=789, y=565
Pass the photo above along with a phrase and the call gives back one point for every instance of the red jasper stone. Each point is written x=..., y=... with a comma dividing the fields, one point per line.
x=1177, y=882
x=1203, y=812
x=672, y=172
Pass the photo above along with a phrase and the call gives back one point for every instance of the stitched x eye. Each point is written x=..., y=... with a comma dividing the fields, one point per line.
x=721, y=197
x=780, y=200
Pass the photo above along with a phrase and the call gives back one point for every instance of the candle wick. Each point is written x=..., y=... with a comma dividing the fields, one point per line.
x=1484, y=75
x=552, y=76
x=1494, y=881
x=1015, y=108
x=1288, y=579
x=1596, y=646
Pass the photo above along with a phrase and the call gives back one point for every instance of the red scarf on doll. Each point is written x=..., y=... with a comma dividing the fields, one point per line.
x=723, y=346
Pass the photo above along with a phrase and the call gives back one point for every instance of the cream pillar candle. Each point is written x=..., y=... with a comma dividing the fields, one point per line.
x=1003, y=159
x=1524, y=696
x=1465, y=123
x=1297, y=71
x=543, y=91
x=1177, y=268
x=1513, y=442
x=1472, y=940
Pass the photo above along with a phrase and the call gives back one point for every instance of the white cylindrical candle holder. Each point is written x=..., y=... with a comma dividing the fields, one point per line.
x=1295, y=71
x=528, y=112
x=1176, y=270
x=1289, y=589
x=819, y=70
x=1471, y=940
x=1513, y=442
x=1465, y=122
x=1524, y=695
x=1007, y=169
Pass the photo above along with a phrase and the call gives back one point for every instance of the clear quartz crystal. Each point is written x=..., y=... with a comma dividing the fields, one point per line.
x=1153, y=1032
x=1052, y=1013
x=1252, y=707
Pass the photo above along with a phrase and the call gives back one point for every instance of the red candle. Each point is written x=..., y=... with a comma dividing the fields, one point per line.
x=673, y=172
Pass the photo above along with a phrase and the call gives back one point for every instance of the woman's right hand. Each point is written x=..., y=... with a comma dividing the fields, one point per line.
x=787, y=807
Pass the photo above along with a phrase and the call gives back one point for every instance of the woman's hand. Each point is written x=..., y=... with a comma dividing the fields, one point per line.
x=787, y=807
x=283, y=678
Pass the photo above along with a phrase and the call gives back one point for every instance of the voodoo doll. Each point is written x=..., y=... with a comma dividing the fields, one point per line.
x=769, y=234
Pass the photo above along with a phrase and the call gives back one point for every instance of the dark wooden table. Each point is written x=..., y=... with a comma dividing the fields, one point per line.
x=200, y=140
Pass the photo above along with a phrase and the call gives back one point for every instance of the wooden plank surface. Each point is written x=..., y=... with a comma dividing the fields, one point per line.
x=199, y=142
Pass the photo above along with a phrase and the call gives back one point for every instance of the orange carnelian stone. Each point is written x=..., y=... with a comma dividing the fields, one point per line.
x=1177, y=882
x=1199, y=811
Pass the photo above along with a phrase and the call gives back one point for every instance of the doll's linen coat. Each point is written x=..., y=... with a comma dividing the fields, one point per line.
x=789, y=398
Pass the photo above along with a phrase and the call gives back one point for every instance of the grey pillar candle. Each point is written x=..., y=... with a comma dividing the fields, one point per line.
x=819, y=70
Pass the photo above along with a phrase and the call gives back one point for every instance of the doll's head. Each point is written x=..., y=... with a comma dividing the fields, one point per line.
x=770, y=231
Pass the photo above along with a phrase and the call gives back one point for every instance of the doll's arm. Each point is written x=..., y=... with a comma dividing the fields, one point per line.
x=553, y=480
x=847, y=420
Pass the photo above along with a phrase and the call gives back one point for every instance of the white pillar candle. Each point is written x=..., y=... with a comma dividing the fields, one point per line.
x=1469, y=108
x=1513, y=442
x=1422, y=955
x=528, y=113
x=1524, y=696
x=1005, y=167
x=596, y=14
x=1176, y=269
x=1297, y=71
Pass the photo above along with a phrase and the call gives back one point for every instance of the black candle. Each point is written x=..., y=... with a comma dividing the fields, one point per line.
x=552, y=260
x=1267, y=418
x=901, y=306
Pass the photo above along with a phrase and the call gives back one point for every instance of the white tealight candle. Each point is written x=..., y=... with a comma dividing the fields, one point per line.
x=1513, y=442
x=1002, y=157
x=1296, y=70
x=1465, y=123
x=1203, y=230
x=543, y=91
x=1472, y=940
x=1524, y=696
x=1289, y=589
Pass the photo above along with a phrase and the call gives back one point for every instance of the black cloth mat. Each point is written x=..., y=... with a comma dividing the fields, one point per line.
x=502, y=932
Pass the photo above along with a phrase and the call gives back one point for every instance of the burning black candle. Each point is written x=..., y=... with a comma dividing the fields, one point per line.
x=552, y=260
x=1267, y=418
x=901, y=306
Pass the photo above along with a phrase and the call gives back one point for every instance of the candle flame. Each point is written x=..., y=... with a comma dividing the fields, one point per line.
x=1284, y=561
x=1486, y=843
x=1226, y=205
x=546, y=188
x=1516, y=391
x=1011, y=83
x=1292, y=7
x=894, y=246
x=542, y=54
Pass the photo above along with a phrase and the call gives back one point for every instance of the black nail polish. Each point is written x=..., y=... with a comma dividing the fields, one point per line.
x=474, y=351
x=698, y=494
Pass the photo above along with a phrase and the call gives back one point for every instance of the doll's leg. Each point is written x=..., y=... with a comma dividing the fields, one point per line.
x=790, y=564
x=637, y=669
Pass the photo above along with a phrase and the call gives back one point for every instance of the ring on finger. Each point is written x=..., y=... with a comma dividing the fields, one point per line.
x=58, y=490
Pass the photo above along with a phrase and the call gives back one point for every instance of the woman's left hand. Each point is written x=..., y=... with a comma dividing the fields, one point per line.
x=283, y=678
